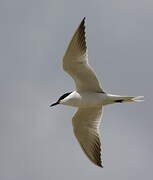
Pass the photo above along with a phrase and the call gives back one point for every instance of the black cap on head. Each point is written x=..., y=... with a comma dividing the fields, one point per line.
x=62, y=97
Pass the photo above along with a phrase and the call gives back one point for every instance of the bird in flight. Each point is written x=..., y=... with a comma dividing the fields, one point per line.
x=89, y=96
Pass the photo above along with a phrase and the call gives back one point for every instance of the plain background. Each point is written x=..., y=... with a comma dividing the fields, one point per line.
x=37, y=142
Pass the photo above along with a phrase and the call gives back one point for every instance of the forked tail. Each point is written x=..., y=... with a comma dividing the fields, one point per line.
x=138, y=99
x=129, y=99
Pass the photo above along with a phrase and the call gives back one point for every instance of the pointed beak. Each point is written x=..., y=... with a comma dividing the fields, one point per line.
x=54, y=104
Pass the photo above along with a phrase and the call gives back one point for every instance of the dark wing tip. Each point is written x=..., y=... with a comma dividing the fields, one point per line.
x=101, y=166
x=83, y=21
x=99, y=163
x=81, y=37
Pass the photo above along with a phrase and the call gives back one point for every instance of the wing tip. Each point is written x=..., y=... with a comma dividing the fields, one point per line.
x=83, y=21
x=99, y=165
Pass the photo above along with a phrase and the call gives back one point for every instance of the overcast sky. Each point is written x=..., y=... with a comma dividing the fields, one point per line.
x=37, y=142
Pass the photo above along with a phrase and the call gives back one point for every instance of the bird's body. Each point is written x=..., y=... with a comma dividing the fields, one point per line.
x=89, y=97
x=84, y=99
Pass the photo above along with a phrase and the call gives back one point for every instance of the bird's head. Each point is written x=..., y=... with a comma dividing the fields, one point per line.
x=60, y=100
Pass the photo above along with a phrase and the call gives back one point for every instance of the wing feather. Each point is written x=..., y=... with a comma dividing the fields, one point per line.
x=75, y=62
x=86, y=124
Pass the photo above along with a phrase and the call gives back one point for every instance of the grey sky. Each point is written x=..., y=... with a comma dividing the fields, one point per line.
x=37, y=142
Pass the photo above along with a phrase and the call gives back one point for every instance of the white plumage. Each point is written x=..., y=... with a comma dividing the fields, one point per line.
x=89, y=97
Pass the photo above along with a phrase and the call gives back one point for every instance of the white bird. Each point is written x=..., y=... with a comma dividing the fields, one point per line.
x=89, y=97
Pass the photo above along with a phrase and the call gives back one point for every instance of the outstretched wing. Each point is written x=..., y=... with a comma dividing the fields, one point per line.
x=86, y=124
x=75, y=62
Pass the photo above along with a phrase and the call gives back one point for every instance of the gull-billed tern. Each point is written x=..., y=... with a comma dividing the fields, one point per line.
x=89, y=96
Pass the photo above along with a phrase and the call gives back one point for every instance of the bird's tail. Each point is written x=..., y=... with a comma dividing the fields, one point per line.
x=138, y=99
x=129, y=99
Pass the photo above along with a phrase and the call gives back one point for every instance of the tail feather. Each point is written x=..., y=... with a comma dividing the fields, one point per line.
x=129, y=99
x=138, y=99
